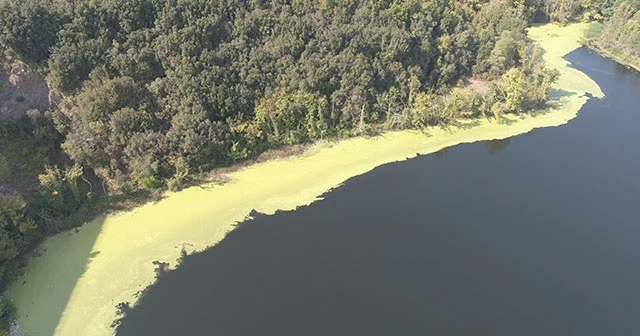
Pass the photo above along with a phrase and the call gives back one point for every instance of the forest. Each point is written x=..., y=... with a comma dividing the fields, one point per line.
x=620, y=37
x=155, y=92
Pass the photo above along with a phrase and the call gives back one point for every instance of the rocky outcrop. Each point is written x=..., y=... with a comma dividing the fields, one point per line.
x=22, y=89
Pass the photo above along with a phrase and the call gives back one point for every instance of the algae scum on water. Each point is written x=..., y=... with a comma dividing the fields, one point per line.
x=73, y=289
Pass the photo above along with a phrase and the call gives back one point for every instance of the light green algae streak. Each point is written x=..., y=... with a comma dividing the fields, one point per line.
x=72, y=289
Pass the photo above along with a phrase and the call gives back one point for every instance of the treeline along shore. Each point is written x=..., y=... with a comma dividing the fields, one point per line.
x=155, y=94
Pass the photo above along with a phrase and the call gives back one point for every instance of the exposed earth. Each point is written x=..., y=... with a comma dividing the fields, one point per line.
x=22, y=89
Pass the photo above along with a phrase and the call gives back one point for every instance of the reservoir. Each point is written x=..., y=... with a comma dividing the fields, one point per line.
x=532, y=235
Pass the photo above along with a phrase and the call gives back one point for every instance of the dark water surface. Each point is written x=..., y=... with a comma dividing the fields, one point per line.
x=535, y=235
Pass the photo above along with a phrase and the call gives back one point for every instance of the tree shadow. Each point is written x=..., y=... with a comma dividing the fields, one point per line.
x=466, y=123
x=41, y=295
x=509, y=118
x=210, y=184
x=555, y=101
x=496, y=146
x=460, y=124
x=556, y=94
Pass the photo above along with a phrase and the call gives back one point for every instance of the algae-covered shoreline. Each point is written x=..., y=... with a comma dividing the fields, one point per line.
x=593, y=33
x=74, y=287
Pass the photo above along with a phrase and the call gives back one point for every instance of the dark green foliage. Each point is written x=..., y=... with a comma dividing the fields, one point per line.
x=156, y=91
x=565, y=11
x=153, y=83
x=15, y=224
x=621, y=35
x=4, y=168
x=501, y=37
x=281, y=118
x=29, y=28
x=34, y=194
x=7, y=309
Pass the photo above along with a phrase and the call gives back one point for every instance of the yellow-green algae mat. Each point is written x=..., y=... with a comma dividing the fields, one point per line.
x=72, y=289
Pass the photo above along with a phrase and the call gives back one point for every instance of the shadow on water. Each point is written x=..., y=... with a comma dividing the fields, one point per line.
x=496, y=146
x=43, y=293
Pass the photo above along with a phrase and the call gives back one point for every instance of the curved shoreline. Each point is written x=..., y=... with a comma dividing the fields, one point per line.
x=606, y=53
x=73, y=288
x=593, y=44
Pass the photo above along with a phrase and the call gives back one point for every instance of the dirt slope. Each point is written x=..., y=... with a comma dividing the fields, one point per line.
x=21, y=89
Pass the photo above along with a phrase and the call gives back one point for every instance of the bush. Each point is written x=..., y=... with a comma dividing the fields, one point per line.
x=7, y=309
x=175, y=184
x=4, y=168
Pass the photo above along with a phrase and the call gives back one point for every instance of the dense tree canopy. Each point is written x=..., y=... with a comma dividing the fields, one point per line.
x=153, y=87
x=156, y=90
x=621, y=35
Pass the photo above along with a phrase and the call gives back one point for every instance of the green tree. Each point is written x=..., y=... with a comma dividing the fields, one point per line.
x=282, y=117
x=513, y=86
x=29, y=28
x=4, y=168
x=14, y=224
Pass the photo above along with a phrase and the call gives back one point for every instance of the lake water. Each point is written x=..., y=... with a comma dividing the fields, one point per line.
x=534, y=235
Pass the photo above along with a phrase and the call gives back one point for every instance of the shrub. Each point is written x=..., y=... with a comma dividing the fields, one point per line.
x=7, y=309
x=4, y=168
